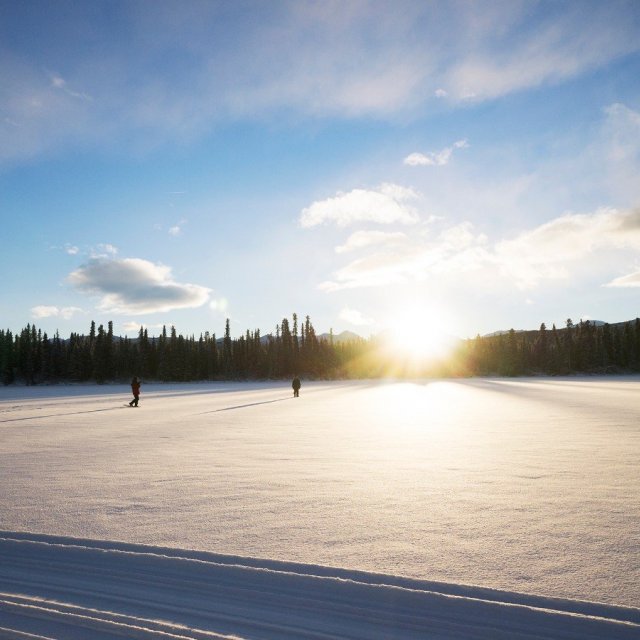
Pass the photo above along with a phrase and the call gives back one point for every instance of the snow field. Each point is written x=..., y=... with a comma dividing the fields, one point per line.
x=516, y=485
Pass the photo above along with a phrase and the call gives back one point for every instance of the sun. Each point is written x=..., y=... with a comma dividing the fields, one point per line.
x=420, y=332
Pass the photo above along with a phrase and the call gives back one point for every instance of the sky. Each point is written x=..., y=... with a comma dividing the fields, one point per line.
x=470, y=166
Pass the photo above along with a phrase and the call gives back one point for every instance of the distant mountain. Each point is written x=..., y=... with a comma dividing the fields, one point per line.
x=345, y=336
x=502, y=332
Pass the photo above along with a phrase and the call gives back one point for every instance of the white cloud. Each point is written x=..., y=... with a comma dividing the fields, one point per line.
x=362, y=239
x=384, y=268
x=176, y=230
x=434, y=158
x=44, y=311
x=103, y=250
x=135, y=286
x=552, y=250
x=630, y=280
x=385, y=205
x=460, y=237
x=354, y=317
x=72, y=250
x=561, y=248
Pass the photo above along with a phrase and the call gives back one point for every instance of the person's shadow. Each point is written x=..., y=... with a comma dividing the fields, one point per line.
x=243, y=406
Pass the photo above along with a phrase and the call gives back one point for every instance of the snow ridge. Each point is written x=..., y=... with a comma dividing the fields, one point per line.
x=60, y=588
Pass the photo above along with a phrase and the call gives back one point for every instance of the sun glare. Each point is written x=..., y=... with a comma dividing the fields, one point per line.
x=419, y=332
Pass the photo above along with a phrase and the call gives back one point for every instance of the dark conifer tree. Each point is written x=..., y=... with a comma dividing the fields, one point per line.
x=541, y=350
x=296, y=346
x=227, y=351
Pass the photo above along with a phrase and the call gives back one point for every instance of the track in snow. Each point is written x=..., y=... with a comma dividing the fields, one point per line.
x=66, y=588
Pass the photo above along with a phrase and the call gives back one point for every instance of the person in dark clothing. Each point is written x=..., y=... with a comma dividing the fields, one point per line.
x=296, y=387
x=135, y=389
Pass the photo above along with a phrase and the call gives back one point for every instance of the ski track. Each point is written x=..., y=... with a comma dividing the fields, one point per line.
x=63, y=588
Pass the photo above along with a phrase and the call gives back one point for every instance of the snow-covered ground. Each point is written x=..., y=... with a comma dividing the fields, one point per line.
x=517, y=486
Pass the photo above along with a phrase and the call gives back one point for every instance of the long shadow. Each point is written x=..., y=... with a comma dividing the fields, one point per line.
x=243, y=406
x=58, y=415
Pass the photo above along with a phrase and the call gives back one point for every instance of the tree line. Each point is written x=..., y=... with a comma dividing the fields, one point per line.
x=32, y=357
x=585, y=347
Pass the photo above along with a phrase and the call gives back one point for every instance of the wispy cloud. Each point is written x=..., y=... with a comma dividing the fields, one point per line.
x=176, y=229
x=454, y=250
x=630, y=280
x=103, y=250
x=618, y=149
x=552, y=250
x=58, y=82
x=368, y=59
x=556, y=250
x=434, y=158
x=542, y=48
x=389, y=203
x=135, y=286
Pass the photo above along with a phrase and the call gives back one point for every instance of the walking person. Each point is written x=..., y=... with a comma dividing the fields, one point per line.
x=296, y=386
x=135, y=389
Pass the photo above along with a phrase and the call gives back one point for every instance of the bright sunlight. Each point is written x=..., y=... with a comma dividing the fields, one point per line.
x=420, y=332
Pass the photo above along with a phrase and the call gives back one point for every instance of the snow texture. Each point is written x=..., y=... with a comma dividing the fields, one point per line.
x=415, y=490
x=78, y=588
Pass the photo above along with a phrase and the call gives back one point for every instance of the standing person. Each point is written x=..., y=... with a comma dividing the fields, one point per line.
x=296, y=386
x=135, y=389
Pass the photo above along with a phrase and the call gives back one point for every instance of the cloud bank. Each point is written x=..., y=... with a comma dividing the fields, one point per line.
x=135, y=286
x=556, y=250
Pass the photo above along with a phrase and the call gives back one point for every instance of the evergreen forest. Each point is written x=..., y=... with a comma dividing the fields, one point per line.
x=33, y=357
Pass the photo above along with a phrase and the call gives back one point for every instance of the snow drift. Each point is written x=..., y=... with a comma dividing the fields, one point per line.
x=56, y=587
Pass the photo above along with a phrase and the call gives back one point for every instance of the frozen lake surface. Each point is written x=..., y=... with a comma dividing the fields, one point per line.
x=523, y=485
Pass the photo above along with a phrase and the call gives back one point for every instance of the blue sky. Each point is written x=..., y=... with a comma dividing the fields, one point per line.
x=471, y=164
